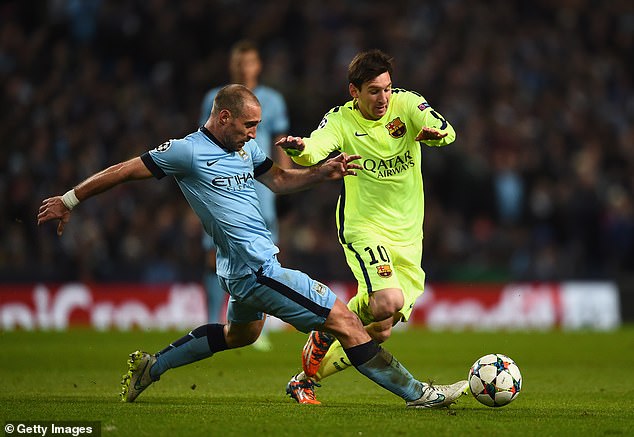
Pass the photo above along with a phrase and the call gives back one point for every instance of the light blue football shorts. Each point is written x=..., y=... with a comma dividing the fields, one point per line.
x=289, y=295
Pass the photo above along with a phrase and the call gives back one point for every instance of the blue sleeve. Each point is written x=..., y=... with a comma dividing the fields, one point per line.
x=261, y=162
x=151, y=165
x=173, y=157
x=257, y=155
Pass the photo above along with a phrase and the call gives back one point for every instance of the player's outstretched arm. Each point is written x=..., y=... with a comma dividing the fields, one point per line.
x=59, y=207
x=435, y=131
x=284, y=181
x=339, y=167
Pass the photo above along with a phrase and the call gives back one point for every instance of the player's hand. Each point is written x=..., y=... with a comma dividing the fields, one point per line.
x=429, y=133
x=292, y=145
x=340, y=166
x=54, y=209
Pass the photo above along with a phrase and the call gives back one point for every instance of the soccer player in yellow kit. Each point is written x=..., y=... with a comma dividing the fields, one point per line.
x=380, y=212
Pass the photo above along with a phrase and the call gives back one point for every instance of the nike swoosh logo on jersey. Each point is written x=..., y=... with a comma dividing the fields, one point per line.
x=360, y=134
x=210, y=163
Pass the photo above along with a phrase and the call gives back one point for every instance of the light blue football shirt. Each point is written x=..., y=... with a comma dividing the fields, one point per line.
x=274, y=122
x=220, y=188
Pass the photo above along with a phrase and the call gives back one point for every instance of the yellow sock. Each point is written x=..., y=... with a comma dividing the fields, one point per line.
x=334, y=361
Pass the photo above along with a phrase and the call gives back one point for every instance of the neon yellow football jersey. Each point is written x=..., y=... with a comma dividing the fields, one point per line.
x=385, y=198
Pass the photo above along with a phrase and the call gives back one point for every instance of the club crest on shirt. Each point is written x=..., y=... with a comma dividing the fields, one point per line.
x=163, y=147
x=396, y=128
x=384, y=271
x=244, y=155
x=319, y=288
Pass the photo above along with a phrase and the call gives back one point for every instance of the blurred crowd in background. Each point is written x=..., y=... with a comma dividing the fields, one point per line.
x=539, y=184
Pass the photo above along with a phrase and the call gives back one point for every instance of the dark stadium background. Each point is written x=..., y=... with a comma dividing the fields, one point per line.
x=537, y=187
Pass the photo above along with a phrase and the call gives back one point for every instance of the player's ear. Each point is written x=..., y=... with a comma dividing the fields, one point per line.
x=354, y=91
x=224, y=116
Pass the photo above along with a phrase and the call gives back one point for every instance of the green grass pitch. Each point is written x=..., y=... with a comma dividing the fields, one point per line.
x=575, y=384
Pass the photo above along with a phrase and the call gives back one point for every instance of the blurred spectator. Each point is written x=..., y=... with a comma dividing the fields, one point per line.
x=538, y=185
x=245, y=67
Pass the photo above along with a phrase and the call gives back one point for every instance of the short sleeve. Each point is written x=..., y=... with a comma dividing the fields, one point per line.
x=173, y=157
x=324, y=140
x=424, y=115
x=257, y=155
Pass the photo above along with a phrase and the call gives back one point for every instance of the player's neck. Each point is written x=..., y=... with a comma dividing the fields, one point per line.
x=211, y=133
x=369, y=117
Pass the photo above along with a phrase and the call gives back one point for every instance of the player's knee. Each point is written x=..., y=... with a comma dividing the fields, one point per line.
x=351, y=321
x=345, y=320
x=386, y=304
x=242, y=339
x=345, y=325
x=243, y=335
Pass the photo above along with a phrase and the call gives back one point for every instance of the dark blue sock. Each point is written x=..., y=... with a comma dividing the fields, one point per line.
x=200, y=343
x=381, y=367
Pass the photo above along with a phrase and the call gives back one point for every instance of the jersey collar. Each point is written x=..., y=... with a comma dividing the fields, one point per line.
x=213, y=139
x=365, y=121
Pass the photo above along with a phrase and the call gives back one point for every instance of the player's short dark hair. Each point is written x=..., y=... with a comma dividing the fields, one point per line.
x=367, y=65
x=233, y=98
x=243, y=46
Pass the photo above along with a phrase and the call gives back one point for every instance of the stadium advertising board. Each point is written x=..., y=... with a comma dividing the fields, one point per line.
x=567, y=305
x=177, y=306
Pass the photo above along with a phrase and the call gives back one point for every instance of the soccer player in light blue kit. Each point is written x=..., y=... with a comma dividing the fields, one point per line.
x=245, y=67
x=216, y=168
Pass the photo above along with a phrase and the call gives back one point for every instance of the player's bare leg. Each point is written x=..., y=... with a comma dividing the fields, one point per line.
x=368, y=357
x=322, y=356
x=384, y=369
x=380, y=366
x=335, y=360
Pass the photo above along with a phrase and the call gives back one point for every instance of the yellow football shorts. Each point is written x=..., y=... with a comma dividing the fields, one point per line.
x=379, y=264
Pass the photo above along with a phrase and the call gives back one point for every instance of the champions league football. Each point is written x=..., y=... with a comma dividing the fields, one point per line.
x=495, y=380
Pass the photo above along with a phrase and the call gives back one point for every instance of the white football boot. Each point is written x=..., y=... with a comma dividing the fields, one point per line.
x=440, y=396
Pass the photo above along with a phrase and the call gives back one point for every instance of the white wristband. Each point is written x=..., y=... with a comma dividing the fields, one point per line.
x=70, y=199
